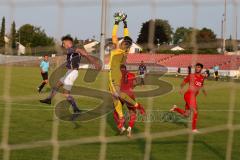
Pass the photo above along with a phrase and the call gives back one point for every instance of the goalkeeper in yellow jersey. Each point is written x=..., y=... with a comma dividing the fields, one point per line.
x=117, y=58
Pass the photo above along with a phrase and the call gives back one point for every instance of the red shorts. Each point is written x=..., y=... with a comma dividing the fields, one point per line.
x=191, y=101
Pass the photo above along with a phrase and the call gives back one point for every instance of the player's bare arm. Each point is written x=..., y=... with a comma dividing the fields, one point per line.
x=135, y=84
x=182, y=87
x=85, y=54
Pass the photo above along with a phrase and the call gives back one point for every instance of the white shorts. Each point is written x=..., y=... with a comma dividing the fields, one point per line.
x=142, y=75
x=69, y=78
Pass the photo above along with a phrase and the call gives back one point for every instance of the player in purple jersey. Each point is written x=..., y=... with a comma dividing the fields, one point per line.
x=142, y=71
x=73, y=61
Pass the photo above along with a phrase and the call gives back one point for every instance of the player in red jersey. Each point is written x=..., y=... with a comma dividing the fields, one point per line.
x=195, y=81
x=128, y=82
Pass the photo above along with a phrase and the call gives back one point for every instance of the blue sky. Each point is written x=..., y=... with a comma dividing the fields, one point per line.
x=82, y=18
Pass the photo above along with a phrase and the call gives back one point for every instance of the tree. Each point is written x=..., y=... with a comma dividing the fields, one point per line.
x=205, y=35
x=2, y=33
x=75, y=41
x=229, y=44
x=188, y=38
x=163, y=32
x=34, y=36
x=180, y=35
x=13, y=35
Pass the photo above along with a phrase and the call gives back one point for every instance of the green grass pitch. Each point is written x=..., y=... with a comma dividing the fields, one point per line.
x=31, y=122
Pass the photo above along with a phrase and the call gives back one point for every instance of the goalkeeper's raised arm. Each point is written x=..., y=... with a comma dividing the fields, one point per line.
x=115, y=29
x=119, y=17
x=125, y=31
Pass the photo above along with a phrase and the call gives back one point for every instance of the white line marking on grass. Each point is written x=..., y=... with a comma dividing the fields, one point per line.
x=44, y=107
x=27, y=104
x=206, y=110
x=51, y=107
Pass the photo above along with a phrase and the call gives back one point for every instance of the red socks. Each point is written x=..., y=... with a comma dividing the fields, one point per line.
x=132, y=120
x=115, y=116
x=119, y=122
x=194, y=120
x=179, y=110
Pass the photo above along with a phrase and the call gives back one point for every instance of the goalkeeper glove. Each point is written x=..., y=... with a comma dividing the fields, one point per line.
x=119, y=16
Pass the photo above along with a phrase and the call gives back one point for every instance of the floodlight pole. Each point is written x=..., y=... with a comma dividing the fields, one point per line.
x=222, y=22
x=237, y=28
x=225, y=26
x=103, y=29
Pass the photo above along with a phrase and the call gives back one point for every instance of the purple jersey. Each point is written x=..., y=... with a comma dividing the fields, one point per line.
x=73, y=58
x=142, y=68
